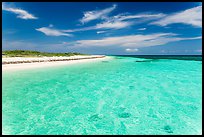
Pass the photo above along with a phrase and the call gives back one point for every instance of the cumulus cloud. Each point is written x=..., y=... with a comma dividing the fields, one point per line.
x=20, y=12
x=191, y=16
x=134, y=41
x=52, y=32
x=96, y=14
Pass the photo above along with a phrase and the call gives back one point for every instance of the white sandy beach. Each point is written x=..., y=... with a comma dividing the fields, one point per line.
x=48, y=61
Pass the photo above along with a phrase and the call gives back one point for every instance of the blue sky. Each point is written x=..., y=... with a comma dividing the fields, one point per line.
x=103, y=27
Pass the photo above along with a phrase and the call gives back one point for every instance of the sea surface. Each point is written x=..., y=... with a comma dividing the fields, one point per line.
x=141, y=95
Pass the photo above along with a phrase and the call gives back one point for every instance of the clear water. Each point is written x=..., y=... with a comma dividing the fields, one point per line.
x=125, y=95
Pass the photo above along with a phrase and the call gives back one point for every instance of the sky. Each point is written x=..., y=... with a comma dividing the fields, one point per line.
x=110, y=28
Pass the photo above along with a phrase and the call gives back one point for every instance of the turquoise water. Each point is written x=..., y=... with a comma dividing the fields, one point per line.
x=125, y=95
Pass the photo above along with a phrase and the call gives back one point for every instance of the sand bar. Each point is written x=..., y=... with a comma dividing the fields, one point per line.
x=22, y=63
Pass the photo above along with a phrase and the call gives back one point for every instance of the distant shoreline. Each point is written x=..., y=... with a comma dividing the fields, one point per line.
x=15, y=63
x=18, y=60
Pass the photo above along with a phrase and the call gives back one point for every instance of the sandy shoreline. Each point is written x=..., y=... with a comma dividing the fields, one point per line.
x=24, y=66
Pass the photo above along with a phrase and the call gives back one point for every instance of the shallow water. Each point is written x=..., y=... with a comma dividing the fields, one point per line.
x=125, y=95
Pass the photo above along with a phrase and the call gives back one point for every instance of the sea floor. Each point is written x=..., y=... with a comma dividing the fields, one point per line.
x=124, y=95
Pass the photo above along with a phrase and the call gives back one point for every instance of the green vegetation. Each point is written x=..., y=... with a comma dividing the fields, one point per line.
x=28, y=53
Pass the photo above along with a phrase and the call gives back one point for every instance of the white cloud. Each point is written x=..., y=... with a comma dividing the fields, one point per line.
x=122, y=17
x=3, y=7
x=113, y=25
x=104, y=25
x=10, y=31
x=21, y=13
x=200, y=50
x=33, y=45
x=191, y=16
x=164, y=51
x=142, y=29
x=80, y=29
x=115, y=22
x=52, y=32
x=124, y=21
x=18, y=44
x=64, y=42
x=134, y=41
x=118, y=22
x=97, y=14
x=131, y=50
x=99, y=32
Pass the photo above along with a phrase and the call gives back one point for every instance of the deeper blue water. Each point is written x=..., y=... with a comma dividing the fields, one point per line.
x=124, y=95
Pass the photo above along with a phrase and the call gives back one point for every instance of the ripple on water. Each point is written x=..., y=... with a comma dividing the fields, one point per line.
x=124, y=115
x=95, y=117
x=119, y=97
x=168, y=129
